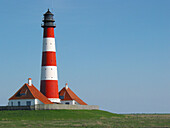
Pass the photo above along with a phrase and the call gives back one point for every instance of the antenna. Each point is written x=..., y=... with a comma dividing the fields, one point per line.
x=52, y=5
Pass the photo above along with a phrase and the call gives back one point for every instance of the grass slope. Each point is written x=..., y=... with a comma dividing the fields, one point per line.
x=81, y=118
x=55, y=114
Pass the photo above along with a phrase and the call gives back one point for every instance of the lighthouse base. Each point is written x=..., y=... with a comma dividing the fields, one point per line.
x=55, y=100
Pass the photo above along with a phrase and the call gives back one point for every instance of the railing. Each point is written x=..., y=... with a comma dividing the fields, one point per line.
x=48, y=25
x=48, y=19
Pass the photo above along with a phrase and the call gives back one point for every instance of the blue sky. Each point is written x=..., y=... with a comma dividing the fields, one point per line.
x=112, y=53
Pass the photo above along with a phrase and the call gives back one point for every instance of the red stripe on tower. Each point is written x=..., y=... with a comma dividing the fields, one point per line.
x=49, y=32
x=49, y=77
x=49, y=58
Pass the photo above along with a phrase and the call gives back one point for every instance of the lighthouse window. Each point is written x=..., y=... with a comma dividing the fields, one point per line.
x=50, y=43
x=67, y=103
x=51, y=69
x=11, y=103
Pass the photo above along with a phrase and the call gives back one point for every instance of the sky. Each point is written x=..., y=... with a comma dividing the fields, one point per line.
x=112, y=53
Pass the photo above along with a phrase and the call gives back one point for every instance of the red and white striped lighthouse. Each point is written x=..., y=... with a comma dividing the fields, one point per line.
x=49, y=77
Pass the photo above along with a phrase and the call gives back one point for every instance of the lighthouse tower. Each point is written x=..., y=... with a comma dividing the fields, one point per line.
x=49, y=77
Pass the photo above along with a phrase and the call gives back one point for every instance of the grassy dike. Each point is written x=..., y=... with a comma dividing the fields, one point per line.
x=80, y=118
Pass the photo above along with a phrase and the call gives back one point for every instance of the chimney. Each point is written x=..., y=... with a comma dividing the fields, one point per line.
x=29, y=81
x=66, y=86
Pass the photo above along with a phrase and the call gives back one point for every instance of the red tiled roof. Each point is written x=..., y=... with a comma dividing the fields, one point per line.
x=68, y=94
x=30, y=92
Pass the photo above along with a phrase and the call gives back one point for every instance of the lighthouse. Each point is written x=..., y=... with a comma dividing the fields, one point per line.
x=29, y=95
x=49, y=76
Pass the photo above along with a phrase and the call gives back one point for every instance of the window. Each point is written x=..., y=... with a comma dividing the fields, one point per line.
x=11, y=103
x=28, y=103
x=18, y=94
x=22, y=94
x=61, y=97
x=67, y=103
x=19, y=104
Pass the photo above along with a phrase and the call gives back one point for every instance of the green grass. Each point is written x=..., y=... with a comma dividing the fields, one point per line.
x=81, y=118
x=54, y=114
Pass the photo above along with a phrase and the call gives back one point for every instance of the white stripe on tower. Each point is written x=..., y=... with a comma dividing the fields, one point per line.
x=49, y=73
x=49, y=44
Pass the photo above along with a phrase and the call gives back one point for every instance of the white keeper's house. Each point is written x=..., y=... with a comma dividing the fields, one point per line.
x=29, y=95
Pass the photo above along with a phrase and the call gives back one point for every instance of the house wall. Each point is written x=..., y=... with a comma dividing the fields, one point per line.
x=23, y=102
x=38, y=102
x=71, y=102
